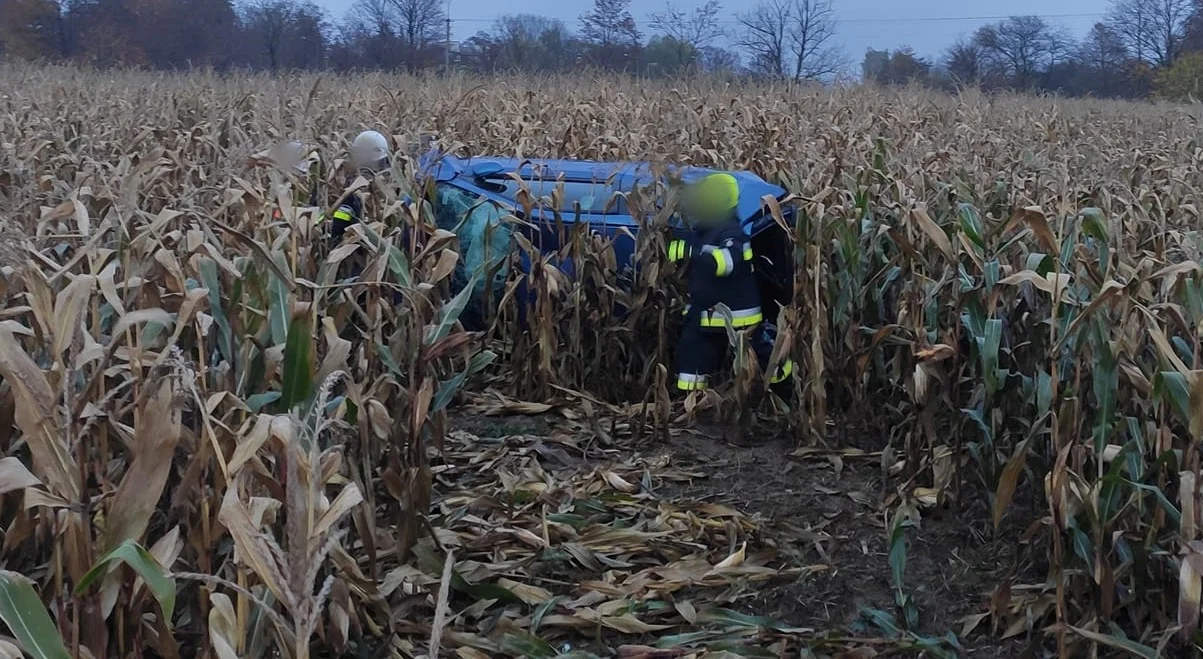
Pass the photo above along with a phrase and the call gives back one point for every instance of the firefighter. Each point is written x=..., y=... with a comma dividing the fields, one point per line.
x=719, y=259
x=369, y=157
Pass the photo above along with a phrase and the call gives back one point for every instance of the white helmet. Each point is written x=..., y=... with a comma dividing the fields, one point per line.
x=369, y=149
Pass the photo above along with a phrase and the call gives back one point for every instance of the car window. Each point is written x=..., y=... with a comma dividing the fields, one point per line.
x=485, y=238
x=595, y=197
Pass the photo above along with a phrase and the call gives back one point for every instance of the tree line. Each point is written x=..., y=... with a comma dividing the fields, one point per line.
x=1142, y=47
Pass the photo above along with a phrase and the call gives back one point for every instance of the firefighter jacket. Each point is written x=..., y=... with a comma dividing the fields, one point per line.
x=350, y=210
x=721, y=271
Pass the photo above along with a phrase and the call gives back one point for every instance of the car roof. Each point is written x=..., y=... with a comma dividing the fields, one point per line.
x=623, y=176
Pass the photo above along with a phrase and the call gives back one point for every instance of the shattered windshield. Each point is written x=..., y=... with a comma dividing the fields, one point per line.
x=484, y=238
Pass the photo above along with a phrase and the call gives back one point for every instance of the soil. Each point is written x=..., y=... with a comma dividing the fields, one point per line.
x=952, y=567
x=825, y=511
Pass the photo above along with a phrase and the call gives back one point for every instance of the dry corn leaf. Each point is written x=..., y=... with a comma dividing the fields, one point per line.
x=223, y=627
x=14, y=476
x=250, y=443
x=37, y=417
x=736, y=559
x=532, y=595
x=253, y=549
x=10, y=650
x=618, y=482
x=154, y=445
x=629, y=624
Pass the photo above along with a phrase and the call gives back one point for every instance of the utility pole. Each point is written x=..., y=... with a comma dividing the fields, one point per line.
x=447, y=53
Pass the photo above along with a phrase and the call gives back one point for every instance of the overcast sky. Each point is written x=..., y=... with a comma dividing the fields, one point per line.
x=928, y=26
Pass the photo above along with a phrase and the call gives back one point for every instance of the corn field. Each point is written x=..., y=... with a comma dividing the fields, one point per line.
x=218, y=443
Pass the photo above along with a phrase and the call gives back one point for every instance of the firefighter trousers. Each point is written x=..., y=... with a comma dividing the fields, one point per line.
x=701, y=350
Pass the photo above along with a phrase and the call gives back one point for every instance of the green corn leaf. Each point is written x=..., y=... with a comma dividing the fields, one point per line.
x=1044, y=392
x=898, y=551
x=541, y=611
x=1118, y=643
x=225, y=335
x=449, y=314
x=521, y=644
x=1105, y=381
x=141, y=561
x=448, y=389
x=1041, y=264
x=398, y=264
x=278, y=314
x=1169, y=507
x=737, y=648
x=483, y=591
x=1175, y=388
x=971, y=224
x=991, y=345
x=26, y=617
x=259, y=401
x=686, y=639
x=298, y=361
x=992, y=274
x=386, y=357
x=736, y=618
x=883, y=621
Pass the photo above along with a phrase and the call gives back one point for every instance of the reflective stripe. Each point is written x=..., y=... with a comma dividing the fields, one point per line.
x=724, y=263
x=785, y=370
x=747, y=252
x=692, y=381
x=741, y=318
x=676, y=250
x=343, y=214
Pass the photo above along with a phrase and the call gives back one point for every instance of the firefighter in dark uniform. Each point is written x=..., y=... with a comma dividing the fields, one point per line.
x=369, y=156
x=719, y=258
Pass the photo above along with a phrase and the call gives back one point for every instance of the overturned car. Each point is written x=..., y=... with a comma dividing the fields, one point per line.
x=473, y=196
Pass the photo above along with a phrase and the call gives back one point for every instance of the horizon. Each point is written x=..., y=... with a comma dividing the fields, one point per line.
x=930, y=26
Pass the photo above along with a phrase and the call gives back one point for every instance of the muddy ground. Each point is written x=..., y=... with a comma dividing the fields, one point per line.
x=820, y=510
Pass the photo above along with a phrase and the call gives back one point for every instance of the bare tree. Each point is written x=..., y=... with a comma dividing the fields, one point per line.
x=1193, y=32
x=32, y=28
x=765, y=31
x=409, y=28
x=1023, y=47
x=720, y=60
x=691, y=31
x=1102, y=60
x=419, y=26
x=269, y=21
x=1152, y=30
x=812, y=40
x=521, y=39
x=963, y=61
x=1103, y=49
x=792, y=37
x=611, y=32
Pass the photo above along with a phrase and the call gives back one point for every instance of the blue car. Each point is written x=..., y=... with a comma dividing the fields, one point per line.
x=472, y=195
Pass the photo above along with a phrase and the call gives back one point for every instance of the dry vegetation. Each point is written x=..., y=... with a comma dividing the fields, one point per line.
x=212, y=442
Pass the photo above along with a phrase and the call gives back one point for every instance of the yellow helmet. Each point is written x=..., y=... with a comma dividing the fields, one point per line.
x=712, y=198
